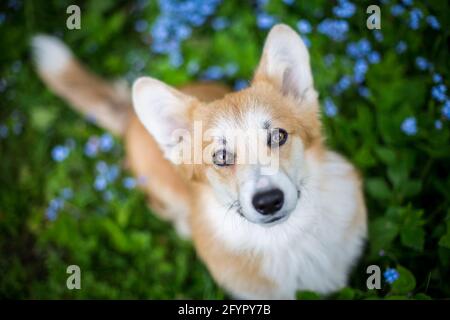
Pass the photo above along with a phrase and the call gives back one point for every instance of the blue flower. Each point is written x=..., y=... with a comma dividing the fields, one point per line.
x=438, y=124
x=359, y=49
x=397, y=10
x=289, y=2
x=433, y=22
x=345, y=9
x=112, y=173
x=67, y=193
x=53, y=208
x=175, y=23
x=106, y=142
x=330, y=108
x=231, y=69
x=378, y=35
x=329, y=59
x=176, y=59
x=129, y=183
x=446, y=109
x=51, y=214
x=407, y=3
x=108, y=195
x=101, y=167
x=364, y=91
x=391, y=275
x=343, y=84
x=16, y=66
x=261, y=3
x=193, y=67
x=3, y=131
x=70, y=143
x=2, y=17
x=100, y=183
x=439, y=92
x=197, y=19
x=401, y=47
x=422, y=63
x=303, y=26
x=360, y=68
x=60, y=153
x=182, y=32
x=91, y=147
x=374, y=57
x=334, y=29
x=3, y=85
x=414, y=18
x=409, y=126
x=220, y=23
x=140, y=25
x=14, y=4
x=213, y=73
x=437, y=78
x=265, y=20
x=240, y=84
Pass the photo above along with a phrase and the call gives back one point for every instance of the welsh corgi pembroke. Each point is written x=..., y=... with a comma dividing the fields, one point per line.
x=264, y=231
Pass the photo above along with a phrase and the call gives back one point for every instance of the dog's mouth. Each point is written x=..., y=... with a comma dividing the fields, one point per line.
x=266, y=222
x=275, y=220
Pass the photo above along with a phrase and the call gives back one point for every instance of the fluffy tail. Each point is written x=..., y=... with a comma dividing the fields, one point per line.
x=107, y=104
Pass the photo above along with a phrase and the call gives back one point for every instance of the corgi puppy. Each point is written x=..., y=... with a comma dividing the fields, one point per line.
x=263, y=234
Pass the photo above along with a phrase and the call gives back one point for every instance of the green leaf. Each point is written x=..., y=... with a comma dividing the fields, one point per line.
x=382, y=232
x=412, y=233
x=386, y=155
x=411, y=188
x=378, y=188
x=445, y=239
x=405, y=283
x=307, y=295
x=422, y=296
x=346, y=294
x=42, y=117
x=397, y=175
x=396, y=297
x=413, y=237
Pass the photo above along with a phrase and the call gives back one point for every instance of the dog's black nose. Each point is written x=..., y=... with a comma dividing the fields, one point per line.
x=268, y=202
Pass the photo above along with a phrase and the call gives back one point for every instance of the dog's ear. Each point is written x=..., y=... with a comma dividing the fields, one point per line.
x=285, y=63
x=164, y=111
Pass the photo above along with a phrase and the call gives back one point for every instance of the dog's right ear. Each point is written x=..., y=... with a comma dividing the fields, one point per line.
x=163, y=110
x=285, y=63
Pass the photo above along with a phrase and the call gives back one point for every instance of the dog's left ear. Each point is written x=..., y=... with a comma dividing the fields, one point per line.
x=164, y=111
x=285, y=63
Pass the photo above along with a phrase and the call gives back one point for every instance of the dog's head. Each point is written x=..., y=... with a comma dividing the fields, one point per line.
x=253, y=142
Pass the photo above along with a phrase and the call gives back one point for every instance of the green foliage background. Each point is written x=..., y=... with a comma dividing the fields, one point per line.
x=126, y=252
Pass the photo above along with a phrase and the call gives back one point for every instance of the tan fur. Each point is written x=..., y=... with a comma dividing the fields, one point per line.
x=92, y=96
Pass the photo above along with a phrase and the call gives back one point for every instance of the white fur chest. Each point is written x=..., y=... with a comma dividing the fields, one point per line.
x=315, y=248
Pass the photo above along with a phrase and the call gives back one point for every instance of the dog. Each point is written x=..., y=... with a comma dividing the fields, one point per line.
x=261, y=236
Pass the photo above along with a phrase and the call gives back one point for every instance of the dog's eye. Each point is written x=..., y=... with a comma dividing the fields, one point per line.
x=223, y=158
x=277, y=137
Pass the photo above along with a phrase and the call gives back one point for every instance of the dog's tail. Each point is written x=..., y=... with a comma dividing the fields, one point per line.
x=109, y=105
